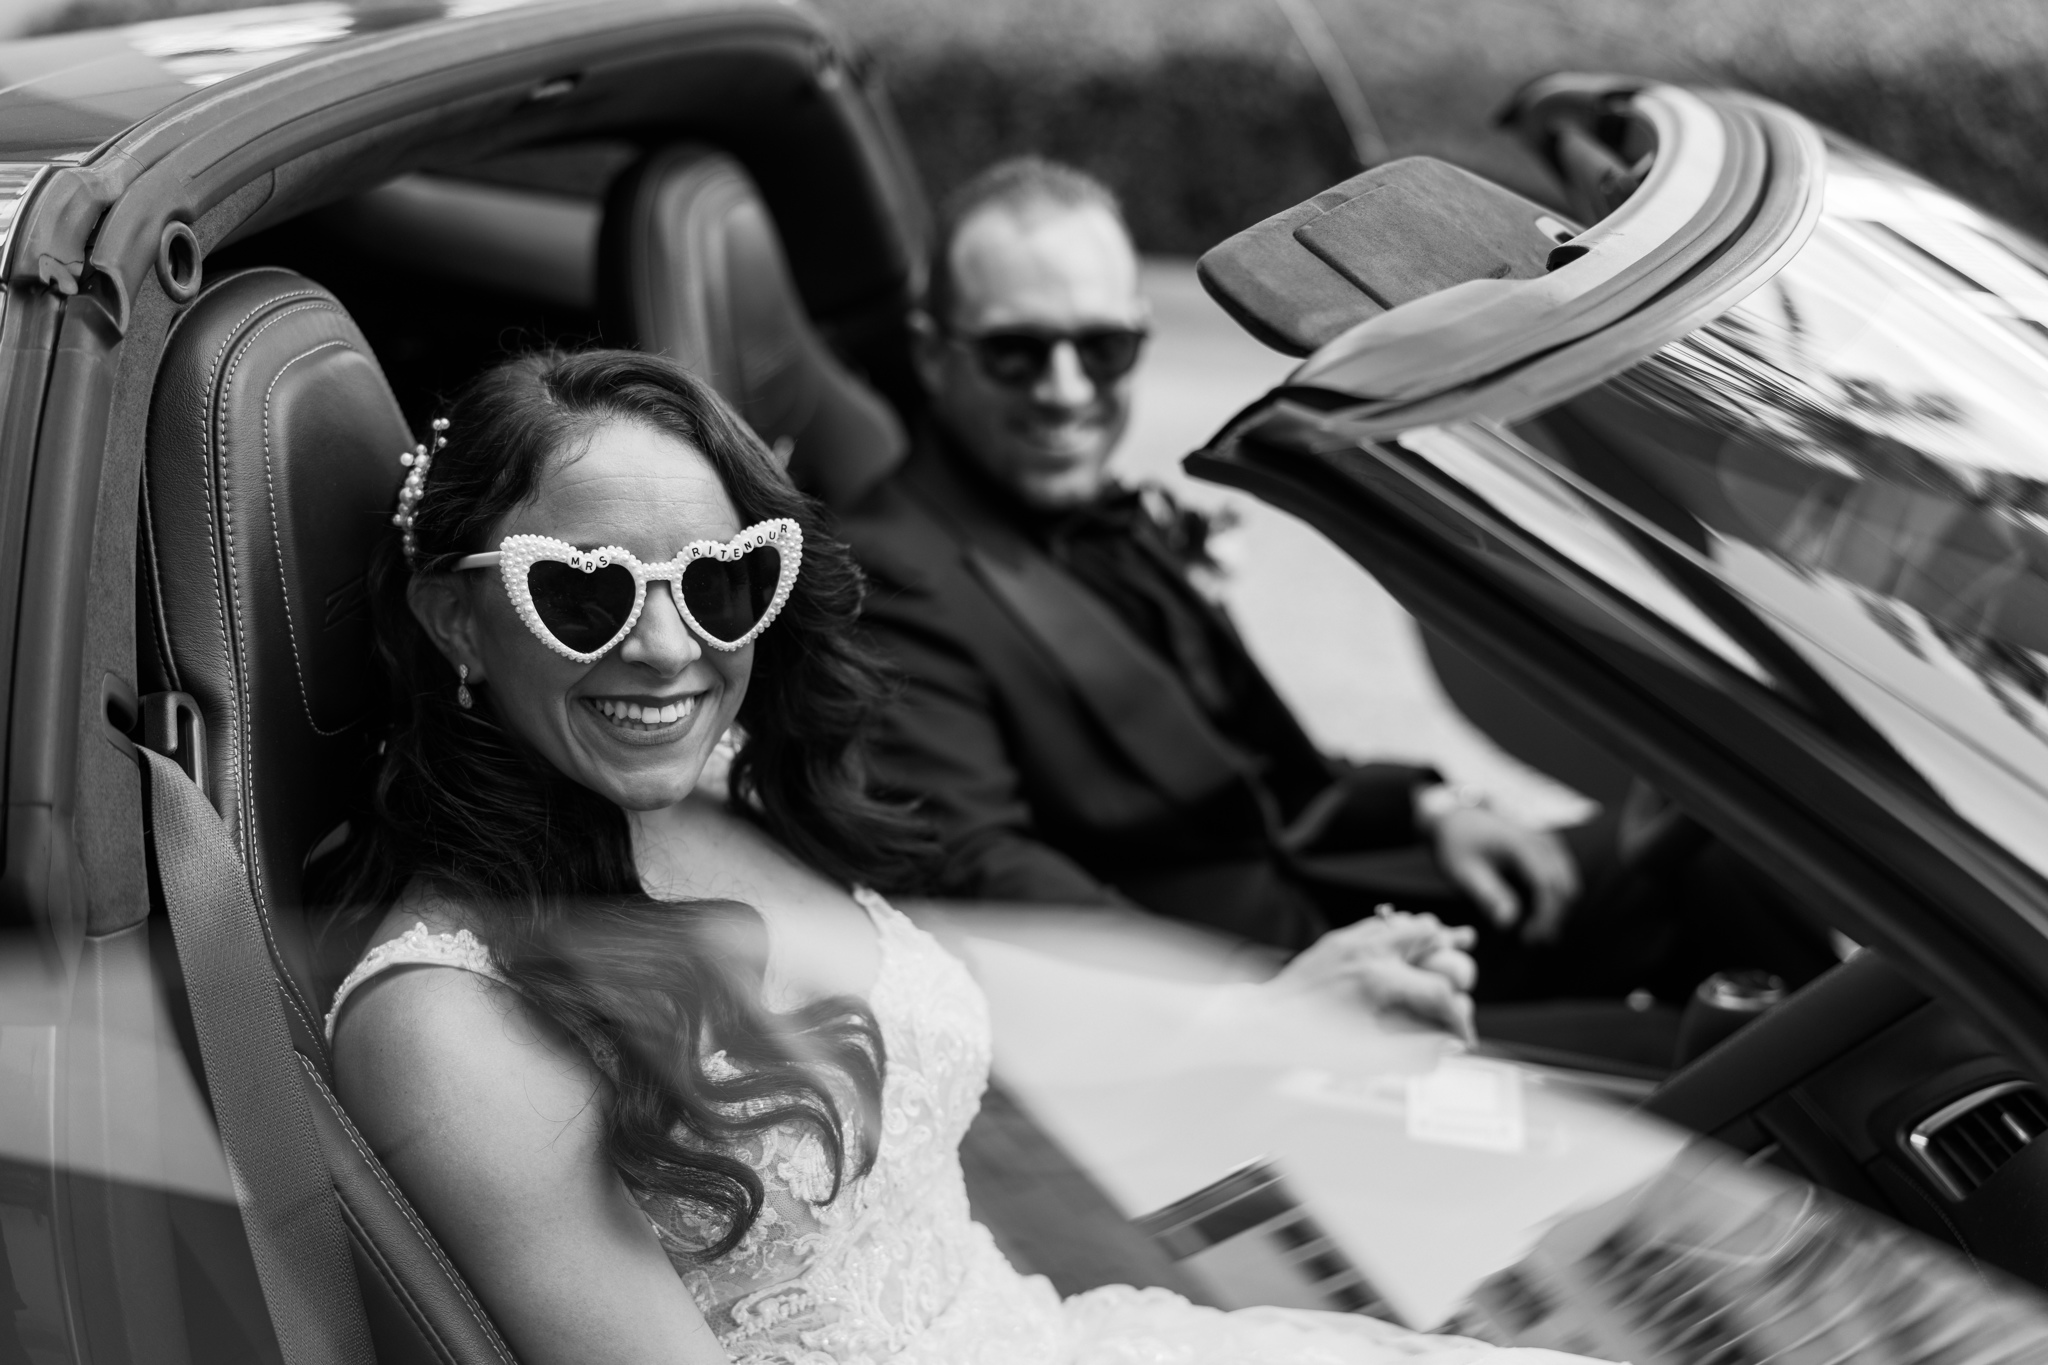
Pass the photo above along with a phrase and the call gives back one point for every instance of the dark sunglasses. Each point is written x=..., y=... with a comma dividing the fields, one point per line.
x=1018, y=357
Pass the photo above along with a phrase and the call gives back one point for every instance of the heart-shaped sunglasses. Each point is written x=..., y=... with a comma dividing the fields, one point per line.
x=580, y=603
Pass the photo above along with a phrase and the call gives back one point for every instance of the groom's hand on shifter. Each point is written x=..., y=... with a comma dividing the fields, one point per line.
x=1485, y=853
x=1395, y=960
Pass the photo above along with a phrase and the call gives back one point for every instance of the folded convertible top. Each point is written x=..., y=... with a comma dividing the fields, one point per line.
x=1417, y=282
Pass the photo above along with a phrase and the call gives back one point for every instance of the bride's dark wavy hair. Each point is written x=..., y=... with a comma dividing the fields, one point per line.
x=461, y=805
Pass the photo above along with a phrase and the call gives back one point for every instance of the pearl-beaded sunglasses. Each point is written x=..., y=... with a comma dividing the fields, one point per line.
x=580, y=603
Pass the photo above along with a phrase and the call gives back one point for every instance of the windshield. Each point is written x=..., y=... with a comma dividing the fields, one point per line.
x=1860, y=448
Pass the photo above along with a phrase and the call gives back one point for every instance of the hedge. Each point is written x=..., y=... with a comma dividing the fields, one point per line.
x=1207, y=115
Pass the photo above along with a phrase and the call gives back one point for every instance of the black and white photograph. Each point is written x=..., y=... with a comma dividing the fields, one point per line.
x=1024, y=682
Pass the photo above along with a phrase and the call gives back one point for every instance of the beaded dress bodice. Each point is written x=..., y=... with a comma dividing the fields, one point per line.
x=872, y=1274
x=895, y=1268
x=867, y=1275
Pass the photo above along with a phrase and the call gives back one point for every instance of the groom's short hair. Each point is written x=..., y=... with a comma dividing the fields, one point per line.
x=1015, y=184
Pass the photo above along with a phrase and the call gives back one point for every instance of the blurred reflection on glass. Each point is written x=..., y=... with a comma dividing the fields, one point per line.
x=1860, y=450
x=1710, y=1261
x=105, y=1144
x=1282, y=1147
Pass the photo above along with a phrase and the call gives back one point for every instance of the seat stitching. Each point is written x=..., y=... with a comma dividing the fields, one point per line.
x=405, y=1207
x=277, y=541
x=251, y=845
x=206, y=445
x=367, y=1247
x=287, y=983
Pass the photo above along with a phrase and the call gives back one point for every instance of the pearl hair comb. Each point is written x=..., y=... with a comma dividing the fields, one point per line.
x=416, y=461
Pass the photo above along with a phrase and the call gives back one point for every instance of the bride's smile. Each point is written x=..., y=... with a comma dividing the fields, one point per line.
x=660, y=717
x=639, y=723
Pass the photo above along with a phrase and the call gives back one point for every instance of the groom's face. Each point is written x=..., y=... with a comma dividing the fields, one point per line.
x=1053, y=271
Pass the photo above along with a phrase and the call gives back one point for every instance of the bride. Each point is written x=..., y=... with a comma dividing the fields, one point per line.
x=668, y=1082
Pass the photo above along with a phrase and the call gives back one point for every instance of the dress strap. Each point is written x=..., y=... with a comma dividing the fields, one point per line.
x=879, y=910
x=416, y=947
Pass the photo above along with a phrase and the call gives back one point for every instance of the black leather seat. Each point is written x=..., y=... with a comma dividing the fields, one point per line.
x=271, y=469
x=690, y=265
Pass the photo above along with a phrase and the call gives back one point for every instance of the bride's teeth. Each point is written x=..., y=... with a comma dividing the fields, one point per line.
x=635, y=713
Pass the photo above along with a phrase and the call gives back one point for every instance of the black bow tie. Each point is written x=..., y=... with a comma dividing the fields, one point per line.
x=1119, y=511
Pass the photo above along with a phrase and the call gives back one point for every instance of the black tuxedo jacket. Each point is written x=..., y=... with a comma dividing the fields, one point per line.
x=1062, y=758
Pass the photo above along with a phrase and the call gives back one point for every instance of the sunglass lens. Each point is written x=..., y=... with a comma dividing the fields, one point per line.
x=1013, y=358
x=727, y=596
x=1108, y=355
x=1019, y=359
x=582, y=610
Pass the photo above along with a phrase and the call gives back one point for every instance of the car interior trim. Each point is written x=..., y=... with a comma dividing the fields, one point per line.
x=1705, y=161
x=1783, y=220
x=1793, y=199
x=521, y=240
x=1920, y=1139
x=29, y=326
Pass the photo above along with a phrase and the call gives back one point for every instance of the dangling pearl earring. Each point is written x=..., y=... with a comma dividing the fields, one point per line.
x=462, y=697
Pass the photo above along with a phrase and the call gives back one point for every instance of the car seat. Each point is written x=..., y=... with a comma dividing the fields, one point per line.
x=271, y=467
x=690, y=265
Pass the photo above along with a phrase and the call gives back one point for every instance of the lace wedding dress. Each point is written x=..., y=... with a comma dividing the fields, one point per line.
x=895, y=1269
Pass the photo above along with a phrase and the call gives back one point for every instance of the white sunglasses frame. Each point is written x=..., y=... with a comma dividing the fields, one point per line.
x=516, y=555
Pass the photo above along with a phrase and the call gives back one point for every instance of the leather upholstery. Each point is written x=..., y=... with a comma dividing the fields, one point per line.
x=419, y=1307
x=693, y=268
x=271, y=470
x=273, y=458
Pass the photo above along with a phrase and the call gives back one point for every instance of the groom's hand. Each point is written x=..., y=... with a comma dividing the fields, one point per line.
x=1479, y=849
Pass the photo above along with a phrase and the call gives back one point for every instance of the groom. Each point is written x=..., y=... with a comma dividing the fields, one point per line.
x=1081, y=721
x=1084, y=725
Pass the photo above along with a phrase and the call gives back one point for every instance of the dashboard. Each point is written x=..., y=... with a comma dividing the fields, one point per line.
x=1864, y=1085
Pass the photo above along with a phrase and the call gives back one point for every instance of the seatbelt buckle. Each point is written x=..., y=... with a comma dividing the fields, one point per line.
x=173, y=726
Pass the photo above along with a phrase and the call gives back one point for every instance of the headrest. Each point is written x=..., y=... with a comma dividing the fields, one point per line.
x=692, y=267
x=271, y=468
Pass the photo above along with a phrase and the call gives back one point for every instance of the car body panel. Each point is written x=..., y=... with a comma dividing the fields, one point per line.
x=62, y=97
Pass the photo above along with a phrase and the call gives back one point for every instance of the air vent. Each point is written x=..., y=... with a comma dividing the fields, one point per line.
x=1964, y=1144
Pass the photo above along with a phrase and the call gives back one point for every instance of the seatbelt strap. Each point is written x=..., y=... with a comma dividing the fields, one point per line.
x=289, y=1207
